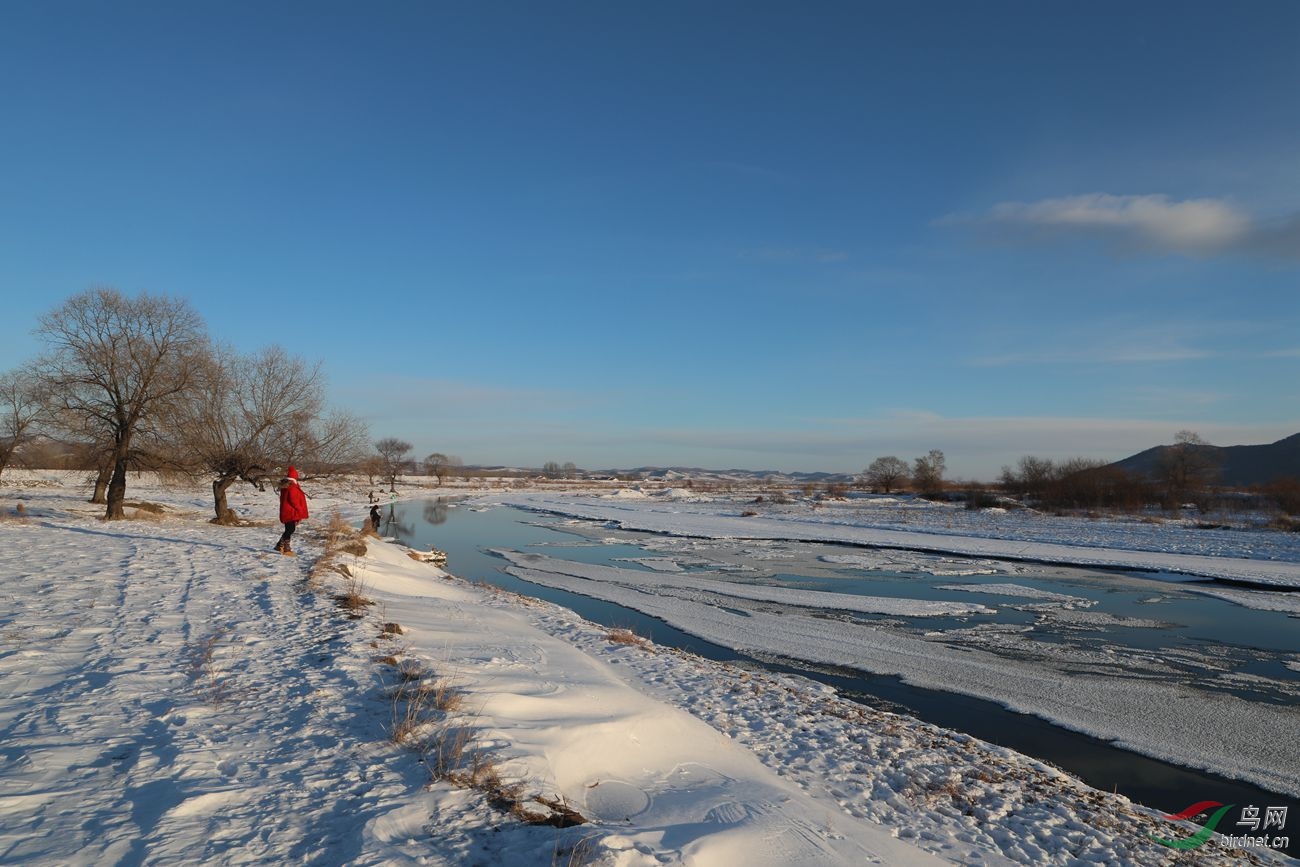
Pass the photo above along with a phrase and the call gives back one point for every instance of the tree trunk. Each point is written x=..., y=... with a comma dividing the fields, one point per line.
x=100, y=496
x=116, y=510
x=219, y=488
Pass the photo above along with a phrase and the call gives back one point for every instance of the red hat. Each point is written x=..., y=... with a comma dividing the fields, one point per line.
x=292, y=473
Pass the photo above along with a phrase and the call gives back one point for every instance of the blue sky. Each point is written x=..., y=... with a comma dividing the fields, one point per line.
x=773, y=236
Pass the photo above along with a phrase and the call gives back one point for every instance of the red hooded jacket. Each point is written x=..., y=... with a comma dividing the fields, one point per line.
x=293, y=503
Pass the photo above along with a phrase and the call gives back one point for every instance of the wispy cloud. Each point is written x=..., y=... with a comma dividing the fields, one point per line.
x=1140, y=223
x=1094, y=355
x=1118, y=342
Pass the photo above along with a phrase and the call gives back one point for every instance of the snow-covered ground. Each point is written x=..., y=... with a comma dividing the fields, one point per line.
x=174, y=692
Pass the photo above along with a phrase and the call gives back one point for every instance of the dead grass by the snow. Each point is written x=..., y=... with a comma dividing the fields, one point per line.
x=204, y=671
x=427, y=718
x=578, y=853
x=342, y=541
x=624, y=636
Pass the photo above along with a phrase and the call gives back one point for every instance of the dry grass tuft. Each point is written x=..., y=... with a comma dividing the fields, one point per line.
x=422, y=722
x=1285, y=523
x=411, y=715
x=444, y=752
x=388, y=630
x=337, y=527
x=411, y=670
x=628, y=637
x=511, y=797
x=562, y=815
x=340, y=540
x=441, y=694
x=204, y=669
x=580, y=852
x=353, y=598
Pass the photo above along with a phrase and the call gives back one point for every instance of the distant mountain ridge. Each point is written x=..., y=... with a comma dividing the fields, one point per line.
x=1239, y=466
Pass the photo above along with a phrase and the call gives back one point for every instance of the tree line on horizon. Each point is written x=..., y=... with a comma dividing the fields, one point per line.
x=1184, y=474
x=138, y=384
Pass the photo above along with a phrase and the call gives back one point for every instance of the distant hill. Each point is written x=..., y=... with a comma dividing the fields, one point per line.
x=1239, y=466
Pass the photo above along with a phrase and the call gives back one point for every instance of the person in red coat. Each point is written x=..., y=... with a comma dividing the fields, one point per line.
x=293, y=508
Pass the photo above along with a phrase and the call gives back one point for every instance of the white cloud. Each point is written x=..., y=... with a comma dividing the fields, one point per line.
x=1154, y=223
x=1116, y=341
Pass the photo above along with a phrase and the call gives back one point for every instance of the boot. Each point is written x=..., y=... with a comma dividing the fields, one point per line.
x=287, y=551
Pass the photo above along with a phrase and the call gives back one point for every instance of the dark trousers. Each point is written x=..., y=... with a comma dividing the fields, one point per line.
x=289, y=527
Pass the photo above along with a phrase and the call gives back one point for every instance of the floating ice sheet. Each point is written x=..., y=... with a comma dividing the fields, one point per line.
x=1020, y=590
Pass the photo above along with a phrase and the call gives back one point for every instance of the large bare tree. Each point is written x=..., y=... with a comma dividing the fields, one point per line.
x=247, y=417
x=115, y=364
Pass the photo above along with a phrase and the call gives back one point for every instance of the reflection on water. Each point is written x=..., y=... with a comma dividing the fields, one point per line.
x=1201, y=640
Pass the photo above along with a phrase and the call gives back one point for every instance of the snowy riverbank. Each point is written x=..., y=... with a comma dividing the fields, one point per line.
x=176, y=693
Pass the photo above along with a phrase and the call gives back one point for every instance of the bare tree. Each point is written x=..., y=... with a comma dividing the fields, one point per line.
x=337, y=442
x=114, y=364
x=927, y=474
x=250, y=413
x=1032, y=476
x=886, y=473
x=1187, y=467
x=437, y=465
x=393, y=453
x=373, y=467
x=22, y=406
